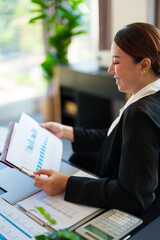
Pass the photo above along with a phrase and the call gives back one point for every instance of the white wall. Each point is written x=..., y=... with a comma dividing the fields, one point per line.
x=128, y=11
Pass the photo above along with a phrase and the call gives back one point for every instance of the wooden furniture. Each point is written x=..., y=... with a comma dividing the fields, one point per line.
x=89, y=95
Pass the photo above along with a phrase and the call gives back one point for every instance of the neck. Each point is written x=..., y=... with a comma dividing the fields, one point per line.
x=145, y=80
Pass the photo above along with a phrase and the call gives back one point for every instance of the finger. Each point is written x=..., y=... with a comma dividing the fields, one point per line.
x=46, y=125
x=39, y=185
x=47, y=172
x=41, y=180
x=43, y=124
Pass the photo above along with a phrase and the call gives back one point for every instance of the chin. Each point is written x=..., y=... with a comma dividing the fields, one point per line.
x=121, y=89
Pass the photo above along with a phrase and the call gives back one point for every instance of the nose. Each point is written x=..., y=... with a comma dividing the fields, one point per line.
x=111, y=69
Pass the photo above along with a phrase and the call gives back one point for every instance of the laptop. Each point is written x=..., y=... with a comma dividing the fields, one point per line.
x=14, y=185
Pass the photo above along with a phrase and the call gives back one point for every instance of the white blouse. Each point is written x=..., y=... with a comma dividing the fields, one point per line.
x=147, y=90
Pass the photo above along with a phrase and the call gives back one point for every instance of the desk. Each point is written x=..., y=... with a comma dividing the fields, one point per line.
x=11, y=217
x=69, y=169
x=9, y=185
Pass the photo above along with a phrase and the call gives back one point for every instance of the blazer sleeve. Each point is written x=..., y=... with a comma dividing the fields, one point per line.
x=88, y=140
x=133, y=189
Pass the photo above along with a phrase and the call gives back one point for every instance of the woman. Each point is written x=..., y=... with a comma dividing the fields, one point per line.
x=128, y=152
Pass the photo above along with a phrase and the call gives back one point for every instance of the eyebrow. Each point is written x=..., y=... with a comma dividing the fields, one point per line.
x=115, y=56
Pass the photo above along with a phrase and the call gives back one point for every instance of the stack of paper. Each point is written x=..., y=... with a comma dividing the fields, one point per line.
x=16, y=225
x=33, y=147
x=65, y=213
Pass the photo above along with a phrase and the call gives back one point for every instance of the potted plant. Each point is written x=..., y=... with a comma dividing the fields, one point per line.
x=63, y=234
x=62, y=20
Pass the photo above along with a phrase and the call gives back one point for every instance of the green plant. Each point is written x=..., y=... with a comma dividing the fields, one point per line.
x=61, y=26
x=63, y=234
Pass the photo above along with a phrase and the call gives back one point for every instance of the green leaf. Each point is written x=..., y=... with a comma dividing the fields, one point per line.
x=46, y=215
x=48, y=66
x=40, y=237
x=63, y=234
x=61, y=26
x=41, y=3
x=80, y=32
x=66, y=234
x=42, y=16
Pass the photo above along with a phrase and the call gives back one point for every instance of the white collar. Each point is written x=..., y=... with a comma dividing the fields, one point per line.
x=147, y=90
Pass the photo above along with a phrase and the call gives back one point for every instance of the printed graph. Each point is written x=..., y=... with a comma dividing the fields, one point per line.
x=42, y=154
x=31, y=141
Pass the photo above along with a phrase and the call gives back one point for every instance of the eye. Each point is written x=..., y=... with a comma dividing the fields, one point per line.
x=115, y=63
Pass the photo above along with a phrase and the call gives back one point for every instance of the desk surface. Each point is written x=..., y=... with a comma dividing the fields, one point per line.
x=12, y=189
x=151, y=231
x=11, y=222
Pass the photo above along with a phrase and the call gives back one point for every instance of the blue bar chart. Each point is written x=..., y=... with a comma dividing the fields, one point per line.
x=42, y=154
x=31, y=141
x=35, y=147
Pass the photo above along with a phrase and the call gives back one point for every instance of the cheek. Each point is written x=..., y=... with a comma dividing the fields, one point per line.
x=127, y=77
x=121, y=69
x=126, y=71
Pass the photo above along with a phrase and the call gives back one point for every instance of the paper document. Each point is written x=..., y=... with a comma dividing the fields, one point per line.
x=65, y=213
x=16, y=225
x=33, y=147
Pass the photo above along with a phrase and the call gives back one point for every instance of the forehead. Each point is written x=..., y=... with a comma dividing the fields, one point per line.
x=117, y=52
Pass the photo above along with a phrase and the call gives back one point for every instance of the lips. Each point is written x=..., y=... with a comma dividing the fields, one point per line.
x=117, y=79
x=117, y=82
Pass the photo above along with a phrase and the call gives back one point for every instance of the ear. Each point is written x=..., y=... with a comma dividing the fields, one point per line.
x=145, y=65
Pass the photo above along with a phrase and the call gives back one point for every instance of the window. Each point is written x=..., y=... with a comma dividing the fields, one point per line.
x=85, y=46
x=21, y=51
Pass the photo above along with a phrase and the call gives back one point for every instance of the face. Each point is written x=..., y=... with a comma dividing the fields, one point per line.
x=126, y=72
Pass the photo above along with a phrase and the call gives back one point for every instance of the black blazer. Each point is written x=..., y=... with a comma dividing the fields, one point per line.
x=127, y=162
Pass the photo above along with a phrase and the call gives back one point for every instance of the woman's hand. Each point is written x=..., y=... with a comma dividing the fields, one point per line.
x=59, y=130
x=54, y=184
x=53, y=127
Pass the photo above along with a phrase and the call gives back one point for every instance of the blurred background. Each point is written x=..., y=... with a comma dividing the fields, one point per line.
x=22, y=48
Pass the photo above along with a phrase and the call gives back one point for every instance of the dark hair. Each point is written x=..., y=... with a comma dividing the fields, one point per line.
x=140, y=40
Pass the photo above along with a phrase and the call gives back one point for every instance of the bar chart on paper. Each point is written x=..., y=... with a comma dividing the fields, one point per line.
x=42, y=154
x=31, y=141
x=31, y=149
x=37, y=147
